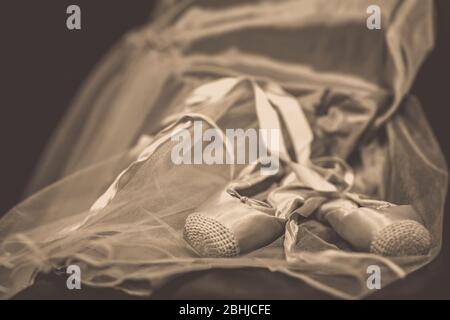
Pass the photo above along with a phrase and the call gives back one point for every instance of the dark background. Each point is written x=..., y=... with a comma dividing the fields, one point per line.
x=42, y=66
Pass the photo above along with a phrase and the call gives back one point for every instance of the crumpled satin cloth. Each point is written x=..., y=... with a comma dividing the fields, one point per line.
x=355, y=99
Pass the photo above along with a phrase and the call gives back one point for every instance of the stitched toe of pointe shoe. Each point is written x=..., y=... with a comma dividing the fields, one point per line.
x=209, y=237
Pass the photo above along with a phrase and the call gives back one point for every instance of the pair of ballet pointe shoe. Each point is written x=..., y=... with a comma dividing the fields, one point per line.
x=234, y=223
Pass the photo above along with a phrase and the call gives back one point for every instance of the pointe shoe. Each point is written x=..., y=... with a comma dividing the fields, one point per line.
x=392, y=231
x=231, y=224
x=389, y=231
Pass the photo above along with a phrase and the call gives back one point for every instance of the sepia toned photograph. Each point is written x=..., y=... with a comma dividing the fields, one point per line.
x=232, y=150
